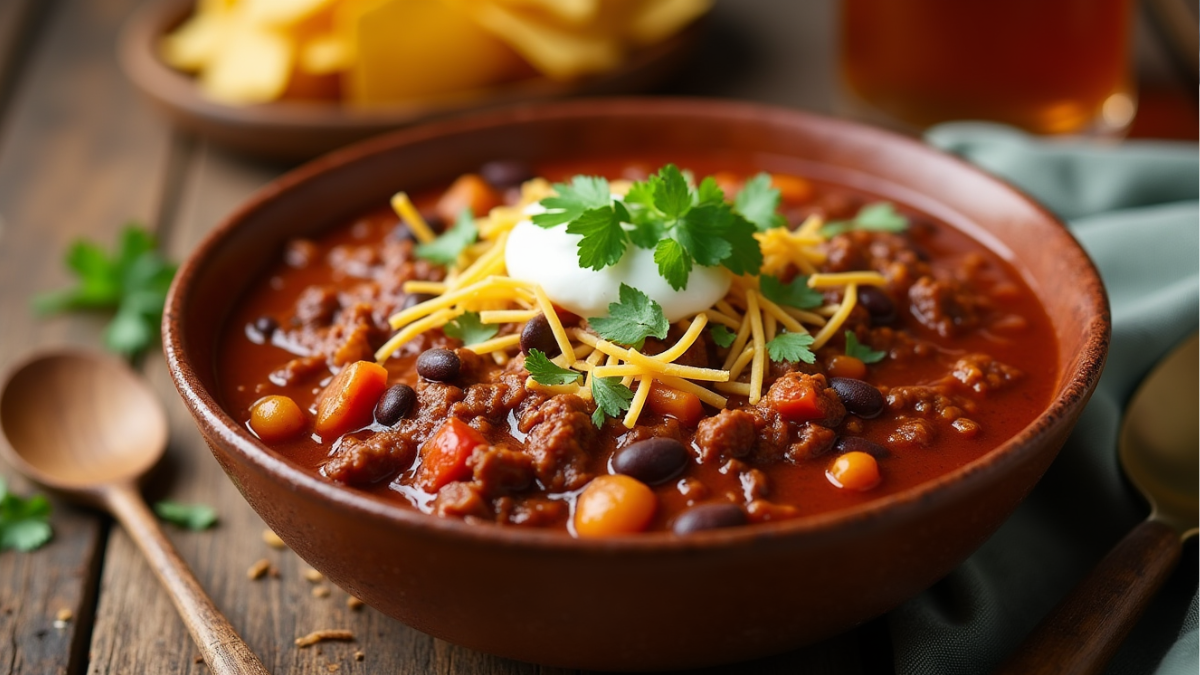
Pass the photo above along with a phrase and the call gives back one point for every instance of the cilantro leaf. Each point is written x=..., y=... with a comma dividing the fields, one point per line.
x=632, y=320
x=758, y=203
x=445, y=249
x=192, y=516
x=794, y=294
x=468, y=328
x=722, y=336
x=702, y=234
x=603, y=240
x=792, y=348
x=584, y=193
x=709, y=192
x=23, y=522
x=672, y=196
x=544, y=371
x=746, y=256
x=133, y=281
x=860, y=351
x=873, y=217
x=674, y=263
x=612, y=398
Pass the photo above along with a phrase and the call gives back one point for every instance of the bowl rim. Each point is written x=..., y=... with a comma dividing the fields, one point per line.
x=1070, y=397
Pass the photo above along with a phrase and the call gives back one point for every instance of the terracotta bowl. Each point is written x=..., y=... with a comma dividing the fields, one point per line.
x=654, y=600
x=297, y=130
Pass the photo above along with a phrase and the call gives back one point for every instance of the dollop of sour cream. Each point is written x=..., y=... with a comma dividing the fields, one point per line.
x=550, y=257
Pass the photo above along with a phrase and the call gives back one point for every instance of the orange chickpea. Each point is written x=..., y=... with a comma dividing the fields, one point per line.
x=854, y=471
x=842, y=365
x=276, y=418
x=613, y=505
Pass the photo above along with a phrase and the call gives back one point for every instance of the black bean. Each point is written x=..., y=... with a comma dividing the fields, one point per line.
x=503, y=174
x=401, y=233
x=859, y=444
x=414, y=299
x=709, y=517
x=439, y=365
x=434, y=221
x=537, y=335
x=394, y=404
x=860, y=398
x=878, y=304
x=653, y=461
x=266, y=326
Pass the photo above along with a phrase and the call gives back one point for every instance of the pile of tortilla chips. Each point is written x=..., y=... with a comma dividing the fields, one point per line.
x=384, y=51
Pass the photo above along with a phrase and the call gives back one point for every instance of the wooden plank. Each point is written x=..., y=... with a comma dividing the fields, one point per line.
x=75, y=160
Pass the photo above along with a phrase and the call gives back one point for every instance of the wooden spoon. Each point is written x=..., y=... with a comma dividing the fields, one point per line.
x=87, y=427
x=1159, y=448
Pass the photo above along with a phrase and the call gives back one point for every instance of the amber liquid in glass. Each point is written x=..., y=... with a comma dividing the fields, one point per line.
x=1049, y=66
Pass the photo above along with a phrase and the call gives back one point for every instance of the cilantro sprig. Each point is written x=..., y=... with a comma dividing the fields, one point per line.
x=445, y=249
x=611, y=397
x=684, y=225
x=631, y=320
x=192, y=516
x=791, y=348
x=544, y=371
x=860, y=351
x=873, y=217
x=24, y=524
x=722, y=336
x=795, y=293
x=758, y=202
x=470, y=329
x=133, y=280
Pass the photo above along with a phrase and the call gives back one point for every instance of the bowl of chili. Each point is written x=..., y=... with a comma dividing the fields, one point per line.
x=438, y=420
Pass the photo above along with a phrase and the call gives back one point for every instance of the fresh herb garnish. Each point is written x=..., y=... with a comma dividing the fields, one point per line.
x=722, y=336
x=632, y=320
x=758, y=202
x=468, y=328
x=191, y=516
x=860, y=351
x=544, y=371
x=684, y=225
x=873, y=217
x=792, y=348
x=133, y=281
x=445, y=249
x=793, y=294
x=23, y=522
x=611, y=397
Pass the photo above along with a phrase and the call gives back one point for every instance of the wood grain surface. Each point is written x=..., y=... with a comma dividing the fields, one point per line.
x=80, y=155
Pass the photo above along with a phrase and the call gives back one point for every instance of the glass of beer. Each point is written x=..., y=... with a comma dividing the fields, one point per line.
x=1048, y=66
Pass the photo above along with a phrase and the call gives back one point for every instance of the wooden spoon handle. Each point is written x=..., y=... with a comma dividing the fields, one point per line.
x=223, y=650
x=1085, y=629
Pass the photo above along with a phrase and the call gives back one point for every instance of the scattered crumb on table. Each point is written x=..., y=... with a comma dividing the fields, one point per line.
x=332, y=667
x=359, y=656
x=64, y=614
x=323, y=635
x=197, y=659
x=271, y=539
x=354, y=603
x=258, y=569
x=313, y=575
x=320, y=591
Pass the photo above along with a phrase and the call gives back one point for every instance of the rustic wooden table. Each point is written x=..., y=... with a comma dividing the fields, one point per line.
x=80, y=155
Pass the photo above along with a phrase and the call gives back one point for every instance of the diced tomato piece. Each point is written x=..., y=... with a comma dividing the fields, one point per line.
x=348, y=403
x=683, y=406
x=566, y=317
x=468, y=192
x=444, y=456
x=802, y=404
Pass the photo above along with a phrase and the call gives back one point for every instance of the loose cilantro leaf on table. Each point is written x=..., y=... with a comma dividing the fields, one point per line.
x=612, y=398
x=468, y=328
x=544, y=371
x=445, y=249
x=793, y=294
x=684, y=225
x=722, y=336
x=632, y=320
x=758, y=203
x=23, y=522
x=860, y=351
x=873, y=217
x=133, y=281
x=192, y=516
x=791, y=347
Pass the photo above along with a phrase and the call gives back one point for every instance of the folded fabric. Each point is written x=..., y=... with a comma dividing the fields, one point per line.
x=1135, y=207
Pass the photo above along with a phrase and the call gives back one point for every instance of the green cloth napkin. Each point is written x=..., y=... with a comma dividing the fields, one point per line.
x=1134, y=207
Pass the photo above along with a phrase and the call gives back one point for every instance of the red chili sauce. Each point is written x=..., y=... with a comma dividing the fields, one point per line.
x=969, y=359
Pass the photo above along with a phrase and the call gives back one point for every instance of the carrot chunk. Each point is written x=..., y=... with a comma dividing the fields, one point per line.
x=444, y=456
x=468, y=192
x=683, y=406
x=612, y=505
x=348, y=403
